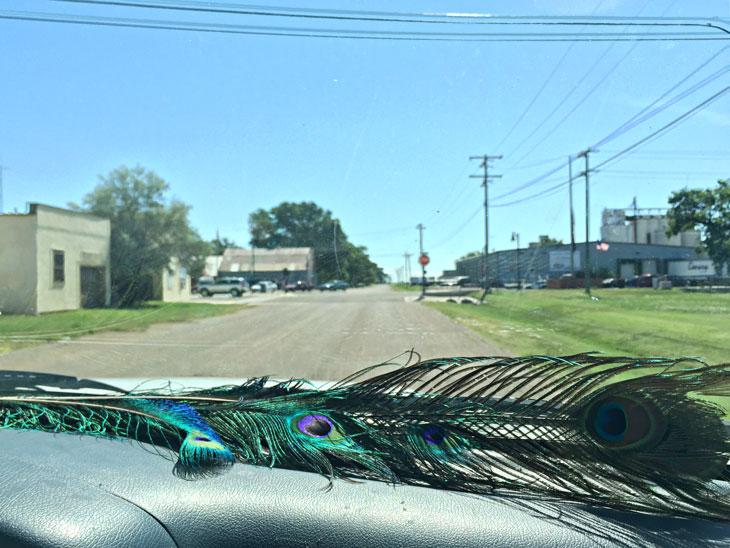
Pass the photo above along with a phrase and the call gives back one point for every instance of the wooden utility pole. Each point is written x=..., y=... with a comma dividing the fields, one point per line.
x=572, y=217
x=485, y=262
x=587, y=269
x=420, y=228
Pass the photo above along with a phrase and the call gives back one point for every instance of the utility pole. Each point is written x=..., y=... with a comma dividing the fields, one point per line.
x=587, y=269
x=485, y=164
x=516, y=237
x=572, y=217
x=420, y=228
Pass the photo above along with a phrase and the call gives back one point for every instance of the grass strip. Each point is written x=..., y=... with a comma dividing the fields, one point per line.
x=630, y=322
x=17, y=331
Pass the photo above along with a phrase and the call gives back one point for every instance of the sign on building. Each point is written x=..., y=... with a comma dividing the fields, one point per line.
x=697, y=269
x=560, y=261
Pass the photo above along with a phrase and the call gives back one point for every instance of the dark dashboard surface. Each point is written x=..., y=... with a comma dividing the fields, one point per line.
x=65, y=490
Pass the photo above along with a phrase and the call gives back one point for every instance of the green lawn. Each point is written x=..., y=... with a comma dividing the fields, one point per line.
x=21, y=331
x=405, y=287
x=634, y=322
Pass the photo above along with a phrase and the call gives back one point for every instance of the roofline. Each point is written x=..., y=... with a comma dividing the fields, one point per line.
x=33, y=206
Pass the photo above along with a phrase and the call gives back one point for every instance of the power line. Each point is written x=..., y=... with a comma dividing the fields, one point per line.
x=680, y=152
x=627, y=150
x=557, y=107
x=468, y=220
x=583, y=100
x=681, y=118
x=544, y=85
x=638, y=119
x=632, y=122
x=353, y=33
x=451, y=18
x=670, y=90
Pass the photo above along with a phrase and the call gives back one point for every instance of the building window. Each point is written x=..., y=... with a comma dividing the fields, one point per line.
x=59, y=276
x=183, y=277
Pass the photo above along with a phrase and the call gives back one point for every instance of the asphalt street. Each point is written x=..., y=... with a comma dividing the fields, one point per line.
x=313, y=335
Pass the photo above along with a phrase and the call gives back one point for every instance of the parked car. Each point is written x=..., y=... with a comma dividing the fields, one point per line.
x=264, y=286
x=203, y=280
x=613, y=282
x=301, y=285
x=235, y=286
x=645, y=280
x=448, y=282
x=333, y=285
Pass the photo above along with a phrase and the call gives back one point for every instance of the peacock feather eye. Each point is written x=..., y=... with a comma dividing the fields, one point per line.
x=610, y=422
x=317, y=426
x=626, y=421
x=434, y=435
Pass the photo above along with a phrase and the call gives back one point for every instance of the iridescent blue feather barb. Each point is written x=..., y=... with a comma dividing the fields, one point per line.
x=628, y=433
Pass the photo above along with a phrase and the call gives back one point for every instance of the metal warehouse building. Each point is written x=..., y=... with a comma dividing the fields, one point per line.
x=633, y=241
x=623, y=260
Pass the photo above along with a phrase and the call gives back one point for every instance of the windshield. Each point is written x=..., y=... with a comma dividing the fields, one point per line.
x=166, y=157
x=211, y=191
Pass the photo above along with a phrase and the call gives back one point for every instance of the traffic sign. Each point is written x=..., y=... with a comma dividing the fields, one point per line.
x=423, y=260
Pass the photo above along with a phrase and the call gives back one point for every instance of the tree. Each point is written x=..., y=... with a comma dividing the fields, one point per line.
x=146, y=231
x=547, y=240
x=708, y=211
x=219, y=245
x=471, y=254
x=306, y=224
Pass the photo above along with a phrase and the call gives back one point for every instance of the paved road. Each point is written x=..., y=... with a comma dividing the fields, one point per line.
x=309, y=335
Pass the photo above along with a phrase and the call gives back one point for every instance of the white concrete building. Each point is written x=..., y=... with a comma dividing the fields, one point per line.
x=629, y=226
x=174, y=283
x=52, y=259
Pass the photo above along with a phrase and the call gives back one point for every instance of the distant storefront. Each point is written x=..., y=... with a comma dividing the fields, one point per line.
x=281, y=265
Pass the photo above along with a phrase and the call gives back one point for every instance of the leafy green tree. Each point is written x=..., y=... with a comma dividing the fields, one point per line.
x=306, y=224
x=471, y=254
x=219, y=245
x=547, y=240
x=146, y=231
x=706, y=210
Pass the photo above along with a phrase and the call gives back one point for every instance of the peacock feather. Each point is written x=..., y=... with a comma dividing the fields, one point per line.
x=636, y=434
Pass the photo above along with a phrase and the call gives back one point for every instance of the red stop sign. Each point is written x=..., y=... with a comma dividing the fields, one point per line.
x=423, y=260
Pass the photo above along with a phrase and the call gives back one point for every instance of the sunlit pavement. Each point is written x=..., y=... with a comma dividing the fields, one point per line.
x=318, y=335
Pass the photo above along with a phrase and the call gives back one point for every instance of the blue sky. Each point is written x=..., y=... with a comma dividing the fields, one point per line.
x=379, y=132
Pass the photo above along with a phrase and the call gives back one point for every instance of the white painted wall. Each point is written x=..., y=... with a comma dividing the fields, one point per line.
x=175, y=282
x=27, y=243
x=85, y=241
x=17, y=264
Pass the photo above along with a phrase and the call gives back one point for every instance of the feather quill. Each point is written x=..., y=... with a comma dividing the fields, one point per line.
x=627, y=433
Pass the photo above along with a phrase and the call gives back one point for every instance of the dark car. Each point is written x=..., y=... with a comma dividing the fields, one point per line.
x=235, y=286
x=333, y=285
x=613, y=282
x=645, y=280
x=301, y=285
